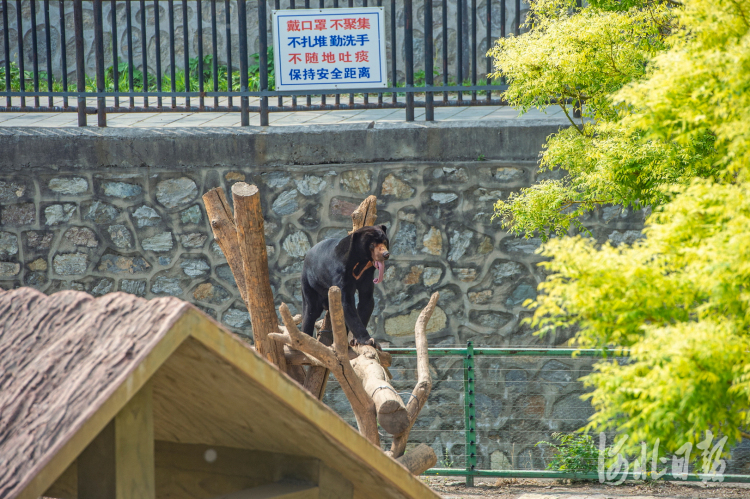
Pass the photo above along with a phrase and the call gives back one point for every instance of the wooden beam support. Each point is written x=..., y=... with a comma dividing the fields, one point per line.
x=248, y=218
x=119, y=462
x=134, y=447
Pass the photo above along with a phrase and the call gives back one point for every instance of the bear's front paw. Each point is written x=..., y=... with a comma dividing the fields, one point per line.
x=370, y=341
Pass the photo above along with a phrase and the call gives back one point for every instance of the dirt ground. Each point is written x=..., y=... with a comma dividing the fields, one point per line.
x=503, y=488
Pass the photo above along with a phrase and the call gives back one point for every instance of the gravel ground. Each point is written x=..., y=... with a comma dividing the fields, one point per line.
x=451, y=488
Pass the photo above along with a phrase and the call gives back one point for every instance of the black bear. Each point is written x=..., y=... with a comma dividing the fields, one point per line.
x=350, y=264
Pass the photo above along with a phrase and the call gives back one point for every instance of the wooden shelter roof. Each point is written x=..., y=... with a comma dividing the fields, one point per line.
x=69, y=363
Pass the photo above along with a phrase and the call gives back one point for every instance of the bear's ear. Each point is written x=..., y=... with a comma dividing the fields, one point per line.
x=383, y=228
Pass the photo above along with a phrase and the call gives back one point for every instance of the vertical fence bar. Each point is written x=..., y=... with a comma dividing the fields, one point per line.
x=445, y=49
x=489, y=46
x=101, y=105
x=409, y=58
x=470, y=414
x=429, y=109
x=201, y=99
x=277, y=6
x=21, y=75
x=322, y=5
x=6, y=52
x=517, y=31
x=215, y=53
x=294, y=97
x=380, y=95
x=63, y=53
x=366, y=96
x=80, y=68
x=115, y=55
x=186, y=51
x=144, y=51
x=172, y=69
x=351, y=96
x=34, y=52
x=228, y=17
x=460, y=47
x=157, y=42
x=309, y=97
x=48, y=45
x=474, y=48
x=263, y=60
x=337, y=98
x=242, y=22
x=129, y=33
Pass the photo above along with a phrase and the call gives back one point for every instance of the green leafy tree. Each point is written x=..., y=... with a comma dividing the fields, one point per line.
x=675, y=136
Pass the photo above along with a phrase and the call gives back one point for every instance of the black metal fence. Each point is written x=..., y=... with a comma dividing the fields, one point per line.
x=121, y=86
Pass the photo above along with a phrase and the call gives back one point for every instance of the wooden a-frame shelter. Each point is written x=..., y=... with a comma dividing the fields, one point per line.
x=122, y=398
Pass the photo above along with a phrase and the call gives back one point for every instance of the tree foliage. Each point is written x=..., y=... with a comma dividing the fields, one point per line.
x=673, y=134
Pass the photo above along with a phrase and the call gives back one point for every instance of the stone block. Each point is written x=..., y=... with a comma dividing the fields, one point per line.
x=118, y=264
x=403, y=325
x=70, y=263
x=145, y=216
x=18, y=214
x=159, y=243
x=81, y=236
x=175, y=192
x=68, y=185
x=8, y=244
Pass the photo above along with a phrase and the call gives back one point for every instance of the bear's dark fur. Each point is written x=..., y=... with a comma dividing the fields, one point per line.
x=350, y=264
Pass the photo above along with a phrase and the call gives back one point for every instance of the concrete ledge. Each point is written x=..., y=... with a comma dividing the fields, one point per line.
x=508, y=140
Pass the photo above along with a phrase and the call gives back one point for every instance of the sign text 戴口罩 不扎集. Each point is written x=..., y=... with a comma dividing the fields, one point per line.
x=329, y=48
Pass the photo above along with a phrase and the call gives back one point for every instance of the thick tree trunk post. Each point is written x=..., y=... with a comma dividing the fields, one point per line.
x=391, y=411
x=419, y=459
x=424, y=381
x=365, y=214
x=317, y=377
x=248, y=217
x=225, y=234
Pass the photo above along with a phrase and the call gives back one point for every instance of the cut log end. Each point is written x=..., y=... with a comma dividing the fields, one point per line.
x=419, y=460
x=395, y=422
x=244, y=189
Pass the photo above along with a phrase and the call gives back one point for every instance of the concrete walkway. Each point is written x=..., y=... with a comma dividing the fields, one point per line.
x=210, y=119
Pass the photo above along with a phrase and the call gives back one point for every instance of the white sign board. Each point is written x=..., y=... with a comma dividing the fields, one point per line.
x=329, y=48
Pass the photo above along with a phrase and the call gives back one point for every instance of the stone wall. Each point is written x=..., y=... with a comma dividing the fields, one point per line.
x=144, y=231
x=252, y=23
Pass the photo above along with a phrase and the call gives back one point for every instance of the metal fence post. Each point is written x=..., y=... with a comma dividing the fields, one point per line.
x=242, y=26
x=470, y=414
x=263, y=60
x=6, y=51
x=429, y=109
x=101, y=110
x=409, y=58
x=80, y=68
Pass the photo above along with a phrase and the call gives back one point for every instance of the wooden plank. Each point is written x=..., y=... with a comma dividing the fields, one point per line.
x=195, y=471
x=96, y=467
x=280, y=490
x=134, y=447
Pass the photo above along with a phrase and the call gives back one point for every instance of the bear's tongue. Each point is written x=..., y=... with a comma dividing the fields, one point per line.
x=381, y=270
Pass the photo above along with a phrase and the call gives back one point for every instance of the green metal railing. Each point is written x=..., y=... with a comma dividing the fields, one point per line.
x=470, y=470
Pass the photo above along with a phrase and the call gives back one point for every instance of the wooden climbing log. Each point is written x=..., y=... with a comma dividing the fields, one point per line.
x=317, y=377
x=389, y=407
x=365, y=214
x=424, y=380
x=336, y=358
x=248, y=219
x=225, y=233
x=419, y=459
